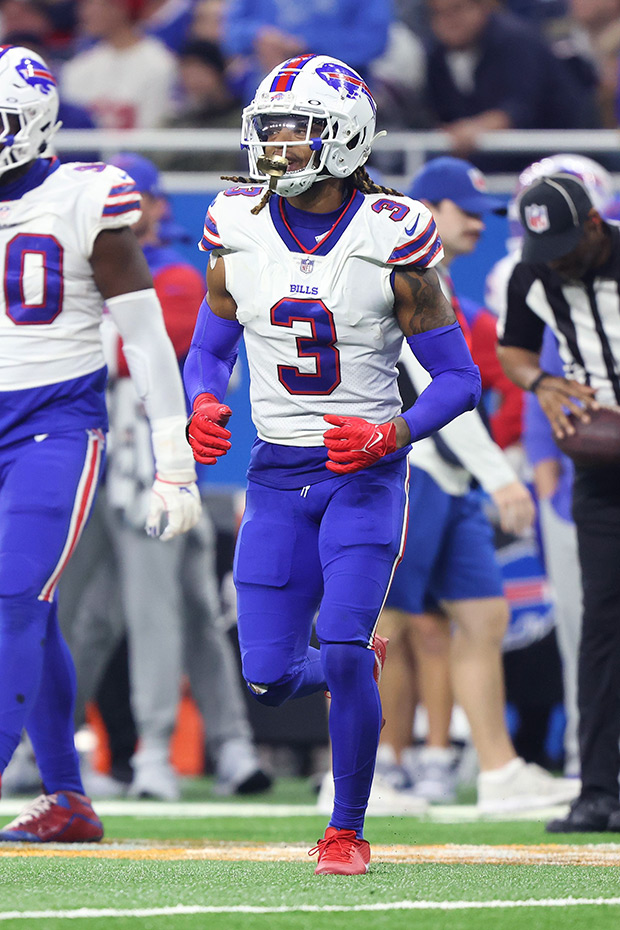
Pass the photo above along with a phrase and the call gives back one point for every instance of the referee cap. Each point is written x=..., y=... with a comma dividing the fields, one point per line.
x=553, y=210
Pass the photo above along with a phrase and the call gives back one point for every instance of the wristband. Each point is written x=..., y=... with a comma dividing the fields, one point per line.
x=538, y=379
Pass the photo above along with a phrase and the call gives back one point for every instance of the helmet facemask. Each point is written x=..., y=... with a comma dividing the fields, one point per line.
x=307, y=129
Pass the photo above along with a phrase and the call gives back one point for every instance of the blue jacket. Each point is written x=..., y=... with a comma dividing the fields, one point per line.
x=349, y=30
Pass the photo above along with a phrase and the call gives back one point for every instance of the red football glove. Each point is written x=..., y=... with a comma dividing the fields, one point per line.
x=356, y=443
x=206, y=431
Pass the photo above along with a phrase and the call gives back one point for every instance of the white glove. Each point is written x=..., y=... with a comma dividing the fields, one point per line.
x=174, y=505
x=174, y=508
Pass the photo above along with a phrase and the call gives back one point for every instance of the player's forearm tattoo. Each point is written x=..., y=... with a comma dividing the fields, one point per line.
x=426, y=307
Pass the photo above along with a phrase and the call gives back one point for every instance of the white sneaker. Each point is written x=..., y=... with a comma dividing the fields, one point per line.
x=238, y=770
x=384, y=801
x=389, y=770
x=521, y=785
x=100, y=786
x=437, y=774
x=154, y=777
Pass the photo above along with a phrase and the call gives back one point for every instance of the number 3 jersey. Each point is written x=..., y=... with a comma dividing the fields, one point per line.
x=52, y=369
x=319, y=325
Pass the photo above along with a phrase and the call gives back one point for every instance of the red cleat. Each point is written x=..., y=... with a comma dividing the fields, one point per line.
x=64, y=817
x=341, y=853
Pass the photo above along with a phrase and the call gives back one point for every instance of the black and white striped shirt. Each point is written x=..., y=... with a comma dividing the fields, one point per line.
x=584, y=315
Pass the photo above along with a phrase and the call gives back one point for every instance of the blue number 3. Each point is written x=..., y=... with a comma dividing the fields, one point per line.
x=321, y=346
x=47, y=253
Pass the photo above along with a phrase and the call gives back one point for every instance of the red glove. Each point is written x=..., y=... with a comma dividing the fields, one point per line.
x=356, y=443
x=205, y=429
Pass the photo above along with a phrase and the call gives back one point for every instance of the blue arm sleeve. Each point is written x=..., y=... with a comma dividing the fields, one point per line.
x=212, y=354
x=456, y=384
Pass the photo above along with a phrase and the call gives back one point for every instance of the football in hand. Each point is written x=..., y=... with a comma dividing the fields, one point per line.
x=596, y=442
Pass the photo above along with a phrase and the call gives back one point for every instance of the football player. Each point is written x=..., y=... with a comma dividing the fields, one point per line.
x=324, y=273
x=65, y=248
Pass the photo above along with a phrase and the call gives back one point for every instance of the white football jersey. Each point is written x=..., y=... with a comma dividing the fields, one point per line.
x=319, y=327
x=50, y=309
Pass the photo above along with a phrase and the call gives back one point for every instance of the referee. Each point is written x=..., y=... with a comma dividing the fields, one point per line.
x=569, y=279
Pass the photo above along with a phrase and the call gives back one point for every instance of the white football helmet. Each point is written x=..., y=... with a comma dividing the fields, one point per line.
x=597, y=180
x=330, y=109
x=28, y=106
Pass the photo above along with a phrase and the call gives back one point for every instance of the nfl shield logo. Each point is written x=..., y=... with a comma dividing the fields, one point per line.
x=537, y=217
x=306, y=265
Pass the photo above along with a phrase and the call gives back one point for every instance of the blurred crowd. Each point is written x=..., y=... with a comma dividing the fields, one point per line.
x=466, y=66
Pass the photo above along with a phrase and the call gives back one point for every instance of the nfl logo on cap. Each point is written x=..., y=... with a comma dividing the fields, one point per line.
x=537, y=217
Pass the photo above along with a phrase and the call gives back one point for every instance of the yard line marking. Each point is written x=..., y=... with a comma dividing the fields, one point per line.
x=607, y=854
x=173, y=809
x=180, y=909
x=457, y=813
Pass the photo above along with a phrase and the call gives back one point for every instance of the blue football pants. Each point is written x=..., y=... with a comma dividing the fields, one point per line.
x=327, y=551
x=47, y=487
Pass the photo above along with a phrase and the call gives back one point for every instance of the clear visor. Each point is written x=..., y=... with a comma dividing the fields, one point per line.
x=269, y=127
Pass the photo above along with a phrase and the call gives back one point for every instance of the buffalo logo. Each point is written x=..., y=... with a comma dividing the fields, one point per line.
x=36, y=74
x=537, y=217
x=306, y=265
x=341, y=78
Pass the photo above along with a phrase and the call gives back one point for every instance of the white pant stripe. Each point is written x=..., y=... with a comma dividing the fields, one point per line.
x=401, y=549
x=82, y=504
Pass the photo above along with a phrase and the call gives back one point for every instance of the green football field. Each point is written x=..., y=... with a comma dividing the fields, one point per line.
x=244, y=864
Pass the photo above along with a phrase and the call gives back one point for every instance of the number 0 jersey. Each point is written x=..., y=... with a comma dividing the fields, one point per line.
x=319, y=324
x=51, y=357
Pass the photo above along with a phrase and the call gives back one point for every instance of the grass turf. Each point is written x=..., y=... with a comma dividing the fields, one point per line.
x=62, y=884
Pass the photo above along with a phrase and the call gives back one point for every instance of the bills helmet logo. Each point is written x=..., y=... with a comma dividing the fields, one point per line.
x=341, y=78
x=36, y=74
x=537, y=217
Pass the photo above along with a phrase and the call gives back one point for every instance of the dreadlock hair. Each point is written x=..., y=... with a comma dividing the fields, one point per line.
x=360, y=180
x=264, y=199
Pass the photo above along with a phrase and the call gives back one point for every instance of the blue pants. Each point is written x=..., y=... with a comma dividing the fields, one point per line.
x=333, y=548
x=47, y=487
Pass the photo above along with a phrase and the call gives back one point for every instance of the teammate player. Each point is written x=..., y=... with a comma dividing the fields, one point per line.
x=65, y=247
x=324, y=273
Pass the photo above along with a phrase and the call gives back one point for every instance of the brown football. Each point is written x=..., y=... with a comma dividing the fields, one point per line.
x=596, y=442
